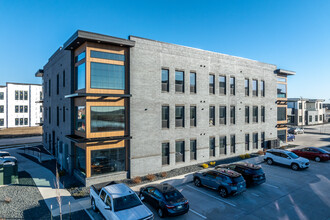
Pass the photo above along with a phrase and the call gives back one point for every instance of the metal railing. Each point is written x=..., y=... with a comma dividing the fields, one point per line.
x=33, y=151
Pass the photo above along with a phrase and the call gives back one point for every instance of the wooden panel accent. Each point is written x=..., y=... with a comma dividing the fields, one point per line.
x=80, y=49
x=107, y=48
x=116, y=62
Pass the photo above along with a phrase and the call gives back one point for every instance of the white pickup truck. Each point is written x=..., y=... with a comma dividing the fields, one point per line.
x=118, y=201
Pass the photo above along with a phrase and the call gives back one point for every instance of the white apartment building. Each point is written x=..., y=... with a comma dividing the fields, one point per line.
x=20, y=105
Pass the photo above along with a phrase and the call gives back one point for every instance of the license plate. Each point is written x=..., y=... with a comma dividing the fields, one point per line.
x=180, y=207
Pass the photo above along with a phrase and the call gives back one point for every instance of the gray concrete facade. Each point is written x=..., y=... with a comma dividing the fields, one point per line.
x=148, y=57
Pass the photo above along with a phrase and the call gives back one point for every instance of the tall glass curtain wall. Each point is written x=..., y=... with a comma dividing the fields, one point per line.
x=107, y=118
x=107, y=161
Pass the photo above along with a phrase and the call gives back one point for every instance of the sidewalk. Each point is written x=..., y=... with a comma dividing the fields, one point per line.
x=45, y=182
x=4, y=142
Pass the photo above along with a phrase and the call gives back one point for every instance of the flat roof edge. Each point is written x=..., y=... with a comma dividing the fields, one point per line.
x=285, y=72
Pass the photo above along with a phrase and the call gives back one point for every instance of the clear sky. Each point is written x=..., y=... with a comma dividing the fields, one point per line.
x=292, y=34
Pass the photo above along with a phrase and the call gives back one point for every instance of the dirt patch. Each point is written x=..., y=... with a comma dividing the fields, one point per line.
x=21, y=132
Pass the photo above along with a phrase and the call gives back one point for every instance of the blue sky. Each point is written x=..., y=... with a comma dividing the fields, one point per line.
x=293, y=34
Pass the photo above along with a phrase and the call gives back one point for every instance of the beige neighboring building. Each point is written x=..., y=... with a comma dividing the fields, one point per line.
x=302, y=111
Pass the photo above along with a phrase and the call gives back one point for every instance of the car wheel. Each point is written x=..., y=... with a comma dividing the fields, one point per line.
x=94, y=207
x=223, y=192
x=317, y=159
x=160, y=213
x=269, y=161
x=294, y=166
x=197, y=182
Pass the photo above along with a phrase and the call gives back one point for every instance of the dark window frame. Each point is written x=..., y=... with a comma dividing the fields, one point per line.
x=165, y=122
x=165, y=84
x=222, y=89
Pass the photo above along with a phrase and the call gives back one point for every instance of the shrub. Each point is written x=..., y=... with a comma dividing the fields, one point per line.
x=247, y=156
x=151, y=177
x=137, y=180
x=242, y=156
x=204, y=165
x=163, y=174
x=212, y=163
x=7, y=200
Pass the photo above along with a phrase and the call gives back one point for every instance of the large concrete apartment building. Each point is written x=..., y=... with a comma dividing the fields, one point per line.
x=117, y=108
x=20, y=105
x=303, y=111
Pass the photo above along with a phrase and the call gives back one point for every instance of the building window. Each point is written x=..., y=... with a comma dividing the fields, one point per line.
x=21, y=121
x=222, y=85
x=63, y=113
x=40, y=95
x=281, y=79
x=247, y=87
x=1, y=122
x=107, y=161
x=25, y=121
x=165, y=117
x=165, y=153
x=247, y=142
x=222, y=115
x=50, y=87
x=247, y=114
x=107, y=118
x=50, y=115
x=63, y=78
x=255, y=87
x=1, y=108
x=232, y=115
x=1, y=95
x=80, y=160
x=310, y=118
x=300, y=119
x=223, y=145
x=80, y=118
x=263, y=140
x=281, y=90
x=16, y=109
x=20, y=95
x=26, y=95
x=300, y=105
x=211, y=84
x=255, y=114
x=281, y=135
x=107, y=76
x=40, y=109
x=107, y=56
x=81, y=56
x=255, y=140
x=232, y=144
x=212, y=147
x=57, y=84
x=263, y=117
x=281, y=113
x=57, y=116
x=179, y=81
x=262, y=88
x=25, y=108
x=193, y=83
x=321, y=118
x=193, y=150
x=179, y=151
x=21, y=108
x=165, y=80
x=16, y=95
x=16, y=121
x=193, y=118
x=320, y=105
x=316, y=117
x=232, y=85
x=179, y=116
x=212, y=116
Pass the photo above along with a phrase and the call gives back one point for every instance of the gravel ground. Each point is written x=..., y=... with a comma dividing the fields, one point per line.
x=80, y=191
x=26, y=201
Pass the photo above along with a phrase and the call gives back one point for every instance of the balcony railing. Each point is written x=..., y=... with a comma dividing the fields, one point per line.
x=179, y=123
x=165, y=124
x=232, y=120
x=165, y=87
x=193, y=122
x=165, y=160
x=232, y=149
x=192, y=89
x=223, y=150
x=179, y=88
x=222, y=121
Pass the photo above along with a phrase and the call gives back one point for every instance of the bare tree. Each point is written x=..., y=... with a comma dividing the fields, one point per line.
x=58, y=194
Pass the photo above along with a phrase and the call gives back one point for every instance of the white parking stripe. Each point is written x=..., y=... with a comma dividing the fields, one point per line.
x=267, y=184
x=255, y=194
x=89, y=214
x=200, y=215
x=212, y=196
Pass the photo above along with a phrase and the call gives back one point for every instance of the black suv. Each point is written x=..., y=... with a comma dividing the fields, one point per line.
x=253, y=174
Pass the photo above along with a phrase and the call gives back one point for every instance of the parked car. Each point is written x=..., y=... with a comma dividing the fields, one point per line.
x=296, y=130
x=4, y=154
x=118, y=201
x=313, y=153
x=226, y=182
x=6, y=158
x=166, y=199
x=286, y=158
x=291, y=137
x=253, y=174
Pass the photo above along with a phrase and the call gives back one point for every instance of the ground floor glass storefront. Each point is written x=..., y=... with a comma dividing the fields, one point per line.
x=107, y=161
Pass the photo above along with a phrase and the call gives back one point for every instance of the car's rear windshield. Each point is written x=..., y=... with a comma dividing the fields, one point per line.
x=238, y=179
x=173, y=196
x=293, y=155
x=126, y=202
x=256, y=171
x=4, y=154
x=323, y=151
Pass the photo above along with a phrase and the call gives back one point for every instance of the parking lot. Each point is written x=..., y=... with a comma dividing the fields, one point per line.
x=287, y=194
